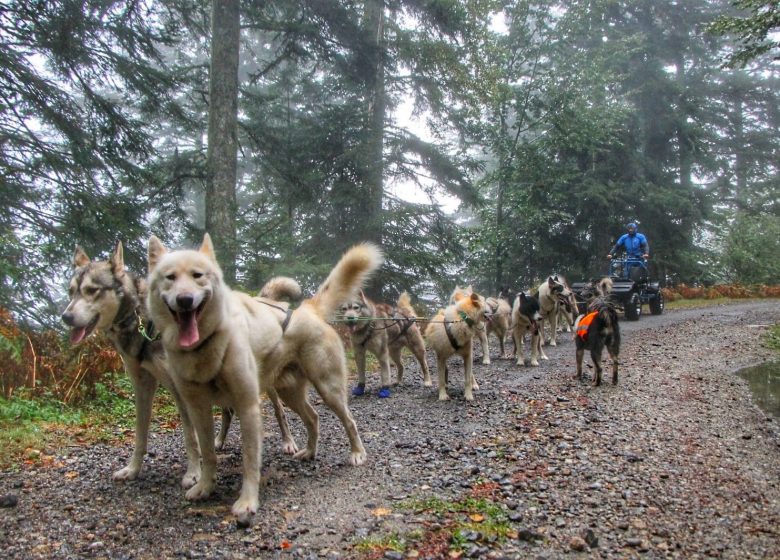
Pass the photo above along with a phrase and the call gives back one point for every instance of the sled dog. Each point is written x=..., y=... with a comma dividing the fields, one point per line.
x=451, y=331
x=105, y=296
x=500, y=313
x=223, y=346
x=567, y=310
x=596, y=329
x=384, y=331
x=553, y=293
x=526, y=318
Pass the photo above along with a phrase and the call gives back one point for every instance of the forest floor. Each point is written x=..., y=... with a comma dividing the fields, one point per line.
x=675, y=461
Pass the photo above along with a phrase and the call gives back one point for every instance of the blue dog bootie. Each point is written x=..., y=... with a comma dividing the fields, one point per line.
x=359, y=389
x=384, y=392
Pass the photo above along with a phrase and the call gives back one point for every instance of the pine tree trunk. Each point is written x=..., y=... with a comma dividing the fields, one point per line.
x=221, y=207
x=377, y=106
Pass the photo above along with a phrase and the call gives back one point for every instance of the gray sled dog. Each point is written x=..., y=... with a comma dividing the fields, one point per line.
x=597, y=329
x=451, y=332
x=526, y=318
x=394, y=329
x=553, y=293
x=104, y=296
x=223, y=346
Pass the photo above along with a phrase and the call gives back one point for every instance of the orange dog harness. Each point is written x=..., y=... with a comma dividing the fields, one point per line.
x=584, y=324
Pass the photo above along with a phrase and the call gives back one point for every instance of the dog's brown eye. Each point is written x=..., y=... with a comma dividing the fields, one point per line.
x=91, y=291
x=170, y=277
x=197, y=275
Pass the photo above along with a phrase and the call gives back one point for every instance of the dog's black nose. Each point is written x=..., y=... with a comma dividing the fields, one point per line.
x=185, y=301
x=67, y=318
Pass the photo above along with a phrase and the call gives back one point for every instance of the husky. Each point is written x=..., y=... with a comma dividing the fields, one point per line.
x=597, y=329
x=567, y=310
x=500, y=314
x=526, y=317
x=224, y=345
x=384, y=331
x=451, y=331
x=104, y=296
x=553, y=293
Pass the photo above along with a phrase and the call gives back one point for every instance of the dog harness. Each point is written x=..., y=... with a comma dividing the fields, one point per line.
x=406, y=322
x=453, y=341
x=287, y=313
x=584, y=324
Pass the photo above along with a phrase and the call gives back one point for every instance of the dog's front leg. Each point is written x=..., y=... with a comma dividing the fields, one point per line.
x=441, y=364
x=144, y=386
x=553, y=327
x=469, y=384
x=199, y=409
x=384, y=371
x=483, y=339
x=360, y=364
x=192, y=474
x=251, y=429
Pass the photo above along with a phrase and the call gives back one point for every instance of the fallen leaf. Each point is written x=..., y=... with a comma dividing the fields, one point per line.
x=380, y=511
x=476, y=517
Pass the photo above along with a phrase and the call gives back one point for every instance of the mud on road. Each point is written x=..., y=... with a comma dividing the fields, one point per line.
x=674, y=462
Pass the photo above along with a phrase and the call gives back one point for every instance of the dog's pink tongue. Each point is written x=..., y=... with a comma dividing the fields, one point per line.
x=77, y=334
x=188, y=329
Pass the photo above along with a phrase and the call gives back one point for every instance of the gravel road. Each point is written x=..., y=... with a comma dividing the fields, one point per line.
x=674, y=462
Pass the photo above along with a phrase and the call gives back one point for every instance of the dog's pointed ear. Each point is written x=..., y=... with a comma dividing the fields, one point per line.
x=155, y=251
x=475, y=299
x=80, y=258
x=522, y=297
x=457, y=295
x=550, y=281
x=118, y=260
x=207, y=247
x=363, y=297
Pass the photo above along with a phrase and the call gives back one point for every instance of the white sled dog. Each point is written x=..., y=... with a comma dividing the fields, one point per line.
x=499, y=315
x=104, y=296
x=223, y=346
x=452, y=331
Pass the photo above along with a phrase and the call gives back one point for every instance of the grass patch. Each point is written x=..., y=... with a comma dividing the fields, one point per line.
x=772, y=337
x=31, y=428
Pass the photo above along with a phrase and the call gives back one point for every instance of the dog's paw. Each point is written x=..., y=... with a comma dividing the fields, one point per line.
x=289, y=447
x=534, y=363
x=358, y=390
x=305, y=454
x=474, y=385
x=128, y=473
x=444, y=397
x=485, y=361
x=191, y=477
x=357, y=458
x=384, y=392
x=200, y=491
x=244, y=509
x=553, y=343
x=427, y=383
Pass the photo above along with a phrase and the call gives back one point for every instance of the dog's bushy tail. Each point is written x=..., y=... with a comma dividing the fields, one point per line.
x=280, y=288
x=604, y=286
x=404, y=305
x=349, y=274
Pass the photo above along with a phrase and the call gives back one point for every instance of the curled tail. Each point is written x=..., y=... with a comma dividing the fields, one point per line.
x=404, y=305
x=280, y=288
x=349, y=274
x=604, y=286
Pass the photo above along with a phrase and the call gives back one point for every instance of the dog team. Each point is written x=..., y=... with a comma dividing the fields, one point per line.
x=185, y=329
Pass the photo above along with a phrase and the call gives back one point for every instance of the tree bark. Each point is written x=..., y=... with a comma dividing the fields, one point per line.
x=221, y=206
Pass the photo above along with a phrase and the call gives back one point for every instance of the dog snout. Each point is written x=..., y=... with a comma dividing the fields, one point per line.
x=185, y=302
x=68, y=318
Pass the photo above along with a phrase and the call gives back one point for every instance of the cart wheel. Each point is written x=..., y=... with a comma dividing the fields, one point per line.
x=657, y=304
x=633, y=308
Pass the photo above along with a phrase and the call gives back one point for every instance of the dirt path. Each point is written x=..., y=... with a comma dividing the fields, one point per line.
x=675, y=461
